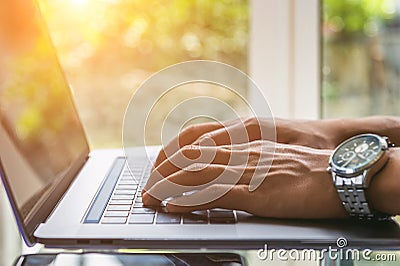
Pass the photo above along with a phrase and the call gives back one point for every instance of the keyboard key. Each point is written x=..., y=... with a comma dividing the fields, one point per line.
x=113, y=220
x=139, y=199
x=121, y=202
x=222, y=217
x=135, y=176
x=125, y=186
x=131, y=179
x=168, y=218
x=119, y=208
x=122, y=197
x=138, y=204
x=125, y=192
x=221, y=214
x=142, y=210
x=116, y=214
x=198, y=217
x=128, y=182
x=137, y=173
x=141, y=219
x=127, y=173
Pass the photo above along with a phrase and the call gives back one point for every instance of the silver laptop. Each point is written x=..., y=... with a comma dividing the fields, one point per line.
x=65, y=195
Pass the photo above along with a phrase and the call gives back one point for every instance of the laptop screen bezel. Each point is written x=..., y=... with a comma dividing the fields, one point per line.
x=49, y=200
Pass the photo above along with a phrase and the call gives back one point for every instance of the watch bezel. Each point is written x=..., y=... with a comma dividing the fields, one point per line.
x=351, y=172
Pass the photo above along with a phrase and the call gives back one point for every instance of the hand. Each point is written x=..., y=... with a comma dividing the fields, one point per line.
x=297, y=184
x=321, y=134
x=311, y=133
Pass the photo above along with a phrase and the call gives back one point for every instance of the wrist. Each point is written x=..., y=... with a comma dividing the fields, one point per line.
x=310, y=133
x=383, y=193
x=333, y=204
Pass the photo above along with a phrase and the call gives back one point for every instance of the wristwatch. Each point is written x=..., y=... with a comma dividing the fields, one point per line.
x=353, y=165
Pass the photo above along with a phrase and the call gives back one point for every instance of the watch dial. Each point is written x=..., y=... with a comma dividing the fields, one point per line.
x=357, y=152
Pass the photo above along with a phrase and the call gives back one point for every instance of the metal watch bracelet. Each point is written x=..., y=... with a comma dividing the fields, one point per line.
x=352, y=195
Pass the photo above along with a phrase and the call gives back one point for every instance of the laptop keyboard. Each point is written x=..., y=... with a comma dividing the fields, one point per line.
x=125, y=205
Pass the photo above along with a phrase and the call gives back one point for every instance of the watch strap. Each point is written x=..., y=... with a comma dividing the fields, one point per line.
x=352, y=194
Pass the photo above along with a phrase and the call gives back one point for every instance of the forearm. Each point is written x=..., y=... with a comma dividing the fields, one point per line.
x=384, y=191
x=343, y=129
x=329, y=133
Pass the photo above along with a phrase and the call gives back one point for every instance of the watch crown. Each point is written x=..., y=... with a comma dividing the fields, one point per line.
x=389, y=143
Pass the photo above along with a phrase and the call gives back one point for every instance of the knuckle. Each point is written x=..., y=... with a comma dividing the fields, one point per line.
x=197, y=168
x=213, y=189
x=189, y=148
x=189, y=130
x=206, y=139
x=190, y=151
x=249, y=121
x=205, y=136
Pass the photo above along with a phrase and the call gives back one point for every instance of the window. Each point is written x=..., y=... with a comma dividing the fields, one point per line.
x=108, y=48
x=361, y=57
x=324, y=59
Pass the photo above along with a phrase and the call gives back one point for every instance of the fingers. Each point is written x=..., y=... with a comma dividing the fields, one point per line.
x=225, y=196
x=233, y=134
x=240, y=131
x=189, y=181
x=192, y=158
x=200, y=132
x=209, y=155
x=192, y=154
x=193, y=166
x=216, y=137
x=187, y=136
x=188, y=156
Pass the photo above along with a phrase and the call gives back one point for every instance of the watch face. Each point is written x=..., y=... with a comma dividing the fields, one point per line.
x=357, y=153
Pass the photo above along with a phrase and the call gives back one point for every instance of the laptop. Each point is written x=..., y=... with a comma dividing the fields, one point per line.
x=65, y=195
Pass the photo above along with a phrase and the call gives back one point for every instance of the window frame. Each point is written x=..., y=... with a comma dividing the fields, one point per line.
x=284, y=56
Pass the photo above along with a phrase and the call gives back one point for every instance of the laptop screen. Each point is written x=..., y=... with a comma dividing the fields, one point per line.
x=40, y=133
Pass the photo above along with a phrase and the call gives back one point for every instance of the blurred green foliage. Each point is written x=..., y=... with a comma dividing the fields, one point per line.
x=357, y=16
x=32, y=81
x=152, y=34
x=35, y=105
x=360, y=57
